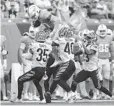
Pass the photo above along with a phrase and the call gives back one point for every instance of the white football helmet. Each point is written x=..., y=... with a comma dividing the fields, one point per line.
x=33, y=12
x=85, y=33
x=102, y=30
x=89, y=36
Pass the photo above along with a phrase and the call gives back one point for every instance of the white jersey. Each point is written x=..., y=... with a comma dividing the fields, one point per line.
x=40, y=54
x=91, y=61
x=63, y=49
x=69, y=47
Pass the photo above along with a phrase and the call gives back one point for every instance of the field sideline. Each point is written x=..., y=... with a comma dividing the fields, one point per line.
x=61, y=103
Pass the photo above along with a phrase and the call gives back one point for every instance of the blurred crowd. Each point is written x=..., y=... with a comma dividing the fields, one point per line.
x=95, y=9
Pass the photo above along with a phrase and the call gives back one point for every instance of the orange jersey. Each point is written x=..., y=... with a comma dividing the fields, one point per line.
x=104, y=45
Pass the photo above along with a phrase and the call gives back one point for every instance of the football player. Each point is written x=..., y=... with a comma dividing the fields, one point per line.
x=66, y=67
x=78, y=62
x=90, y=65
x=26, y=40
x=43, y=16
x=38, y=52
x=3, y=65
x=105, y=50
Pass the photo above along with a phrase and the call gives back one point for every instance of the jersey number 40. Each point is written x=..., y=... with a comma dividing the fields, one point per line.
x=69, y=48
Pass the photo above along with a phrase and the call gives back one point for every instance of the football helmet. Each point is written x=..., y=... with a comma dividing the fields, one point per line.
x=89, y=36
x=84, y=34
x=33, y=12
x=102, y=30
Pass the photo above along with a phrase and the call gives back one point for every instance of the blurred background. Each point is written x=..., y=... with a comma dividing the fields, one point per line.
x=93, y=9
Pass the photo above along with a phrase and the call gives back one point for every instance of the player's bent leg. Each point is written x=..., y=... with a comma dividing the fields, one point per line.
x=38, y=76
x=106, y=77
x=39, y=88
x=22, y=79
x=97, y=84
x=81, y=76
x=107, y=71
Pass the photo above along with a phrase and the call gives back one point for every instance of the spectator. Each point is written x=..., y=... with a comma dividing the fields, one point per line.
x=17, y=6
x=44, y=4
x=110, y=5
x=99, y=10
x=12, y=12
x=62, y=7
x=7, y=4
x=2, y=10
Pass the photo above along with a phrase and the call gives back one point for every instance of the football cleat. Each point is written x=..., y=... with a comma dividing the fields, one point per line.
x=47, y=96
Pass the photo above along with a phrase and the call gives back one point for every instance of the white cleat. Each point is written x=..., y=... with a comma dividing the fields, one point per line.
x=77, y=96
x=70, y=96
x=65, y=95
x=25, y=96
x=17, y=100
x=30, y=97
x=95, y=96
x=42, y=101
x=5, y=98
x=112, y=97
x=36, y=98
